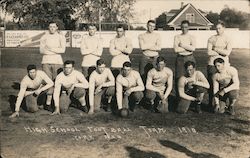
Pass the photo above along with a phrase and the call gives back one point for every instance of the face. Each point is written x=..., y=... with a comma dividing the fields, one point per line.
x=32, y=74
x=220, y=29
x=184, y=28
x=190, y=70
x=53, y=28
x=120, y=32
x=92, y=30
x=68, y=68
x=151, y=27
x=160, y=65
x=100, y=68
x=126, y=71
x=219, y=66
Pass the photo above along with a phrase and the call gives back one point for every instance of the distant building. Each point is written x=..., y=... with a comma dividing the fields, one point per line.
x=196, y=17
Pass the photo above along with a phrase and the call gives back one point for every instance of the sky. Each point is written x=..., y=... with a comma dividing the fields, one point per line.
x=150, y=9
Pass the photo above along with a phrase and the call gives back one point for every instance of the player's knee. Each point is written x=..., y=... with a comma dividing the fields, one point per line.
x=138, y=96
x=150, y=95
x=233, y=95
x=110, y=91
x=79, y=93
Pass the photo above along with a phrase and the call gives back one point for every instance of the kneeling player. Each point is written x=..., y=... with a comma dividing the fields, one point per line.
x=157, y=92
x=191, y=87
x=226, y=85
x=101, y=84
x=69, y=84
x=31, y=86
x=129, y=87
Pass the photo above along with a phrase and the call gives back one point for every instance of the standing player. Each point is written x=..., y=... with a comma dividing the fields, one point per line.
x=226, y=85
x=101, y=84
x=129, y=87
x=31, y=86
x=120, y=48
x=91, y=49
x=150, y=44
x=219, y=46
x=52, y=45
x=157, y=90
x=184, y=46
x=69, y=84
x=192, y=87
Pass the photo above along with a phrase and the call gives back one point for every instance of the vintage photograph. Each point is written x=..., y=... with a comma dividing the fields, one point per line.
x=125, y=78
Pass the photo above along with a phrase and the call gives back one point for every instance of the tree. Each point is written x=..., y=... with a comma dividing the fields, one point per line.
x=213, y=18
x=30, y=14
x=161, y=21
x=37, y=13
x=109, y=11
x=234, y=19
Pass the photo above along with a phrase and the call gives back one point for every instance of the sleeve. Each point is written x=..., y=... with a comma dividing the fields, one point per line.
x=210, y=46
x=201, y=80
x=57, y=91
x=215, y=88
x=191, y=47
x=157, y=45
x=47, y=80
x=119, y=92
x=181, y=90
x=83, y=83
x=43, y=49
x=129, y=46
x=112, y=48
x=140, y=85
x=20, y=96
x=62, y=47
x=227, y=50
x=149, y=81
x=236, y=82
x=170, y=83
x=91, y=90
x=177, y=48
x=111, y=79
x=142, y=44
x=99, y=48
x=85, y=50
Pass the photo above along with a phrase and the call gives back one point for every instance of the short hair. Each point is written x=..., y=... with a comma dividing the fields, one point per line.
x=69, y=62
x=185, y=22
x=220, y=22
x=120, y=26
x=127, y=64
x=219, y=60
x=91, y=25
x=53, y=22
x=31, y=67
x=151, y=21
x=189, y=63
x=100, y=62
x=159, y=59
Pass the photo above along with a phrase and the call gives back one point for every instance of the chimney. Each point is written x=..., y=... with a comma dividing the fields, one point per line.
x=182, y=5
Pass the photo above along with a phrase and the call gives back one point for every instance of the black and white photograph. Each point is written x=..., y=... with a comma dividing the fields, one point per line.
x=125, y=78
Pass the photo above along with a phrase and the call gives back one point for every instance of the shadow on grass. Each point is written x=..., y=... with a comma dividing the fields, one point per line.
x=136, y=153
x=180, y=148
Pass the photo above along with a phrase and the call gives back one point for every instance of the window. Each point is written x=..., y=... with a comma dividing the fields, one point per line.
x=190, y=17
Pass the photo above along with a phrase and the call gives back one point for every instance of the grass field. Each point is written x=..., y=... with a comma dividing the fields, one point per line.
x=142, y=135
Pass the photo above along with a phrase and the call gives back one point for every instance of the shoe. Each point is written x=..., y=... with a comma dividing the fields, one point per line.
x=40, y=107
x=84, y=108
x=198, y=108
x=48, y=107
x=231, y=110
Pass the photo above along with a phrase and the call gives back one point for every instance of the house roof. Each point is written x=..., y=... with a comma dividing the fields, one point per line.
x=182, y=10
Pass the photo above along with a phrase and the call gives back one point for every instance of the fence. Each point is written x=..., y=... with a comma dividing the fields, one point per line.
x=21, y=38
